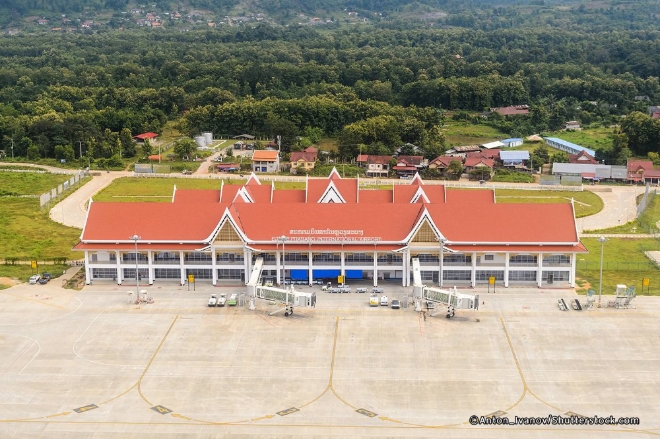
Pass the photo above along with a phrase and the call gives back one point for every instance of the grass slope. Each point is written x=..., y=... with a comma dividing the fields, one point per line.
x=29, y=183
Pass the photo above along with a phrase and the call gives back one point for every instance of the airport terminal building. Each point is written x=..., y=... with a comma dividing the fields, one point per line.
x=332, y=227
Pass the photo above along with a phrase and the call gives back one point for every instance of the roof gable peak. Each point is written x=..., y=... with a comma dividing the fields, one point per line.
x=253, y=179
x=331, y=195
x=334, y=174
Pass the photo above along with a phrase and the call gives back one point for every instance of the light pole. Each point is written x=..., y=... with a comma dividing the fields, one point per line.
x=600, y=286
x=442, y=242
x=283, y=239
x=136, y=238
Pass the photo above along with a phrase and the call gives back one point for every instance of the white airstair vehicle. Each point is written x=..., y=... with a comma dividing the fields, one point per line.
x=286, y=298
x=450, y=298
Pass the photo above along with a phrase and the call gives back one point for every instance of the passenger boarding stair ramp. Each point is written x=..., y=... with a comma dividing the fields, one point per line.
x=452, y=299
x=255, y=276
x=287, y=299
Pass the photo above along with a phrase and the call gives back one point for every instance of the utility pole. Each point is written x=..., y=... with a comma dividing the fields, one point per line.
x=12, y=148
x=80, y=148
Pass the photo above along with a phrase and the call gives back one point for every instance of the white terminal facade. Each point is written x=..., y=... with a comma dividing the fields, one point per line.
x=332, y=228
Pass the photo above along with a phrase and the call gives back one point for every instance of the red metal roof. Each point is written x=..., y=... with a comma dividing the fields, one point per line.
x=304, y=155
x=378, y=159
x=145, y=136
x=412, y=160
x=264, y=156
x=445, y=160
x=512, y=223
x=152, y=221
x=579, y=248
x=142, y=246
x=468, y=216
x=197, y=196
x=471, y=162
x=325, y=247
x=636, y=165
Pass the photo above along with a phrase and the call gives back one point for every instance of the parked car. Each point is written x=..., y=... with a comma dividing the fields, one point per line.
x=344, y=289
x=213, y=300
x=377, y=291
x=395, y=304
x=46, y=276
x=34, y=279
x=383, y=301
x=373, y=300
x=222, y=300
x=232, y=300
x=334, y=290
x=360, y=290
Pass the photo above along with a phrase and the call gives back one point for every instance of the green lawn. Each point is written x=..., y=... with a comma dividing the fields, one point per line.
x=586, y=203
x=624, y=262
x=465, y=133
x=29, y=183
x=593, y=138
x=26, y=232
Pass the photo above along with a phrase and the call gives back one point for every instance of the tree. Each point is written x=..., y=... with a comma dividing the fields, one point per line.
x=33, y=152
x=559, y=157
x=127, y=143
x=287, y=130
x=540, y=156
x=185, y=147
x=147, y=149
x=455, y=168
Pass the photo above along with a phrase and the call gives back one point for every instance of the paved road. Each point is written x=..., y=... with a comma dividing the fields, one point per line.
x=620, y=207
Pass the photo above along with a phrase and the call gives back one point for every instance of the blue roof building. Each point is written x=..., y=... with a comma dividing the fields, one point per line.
x=514, y=158
x=568, y=147
x=512, y=142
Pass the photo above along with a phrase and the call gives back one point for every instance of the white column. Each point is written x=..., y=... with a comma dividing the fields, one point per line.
x=441, y=259
x=119, y=270
x=150, y=265
x=88, y=270
x=539, y=270
x=247, y=259
x=506, y=270
x=375, y=269
x=310, y=270
x=343, y=268
x=572, y=275
x=473, y=279
x=406, y=272
x=214, y=267
x=278, y=263
x=183, y=268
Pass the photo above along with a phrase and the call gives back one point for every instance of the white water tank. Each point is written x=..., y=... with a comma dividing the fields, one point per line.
x=201, y=141
x=208, y=137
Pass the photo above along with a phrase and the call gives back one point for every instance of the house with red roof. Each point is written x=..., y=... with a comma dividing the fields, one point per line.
x=303, y=160
x=265, y=161
x=479, y=168
x=582, y=157
x=145, y=136
x=331, y=228
x=376, y=165
x=642, y=171
x=442, y=162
